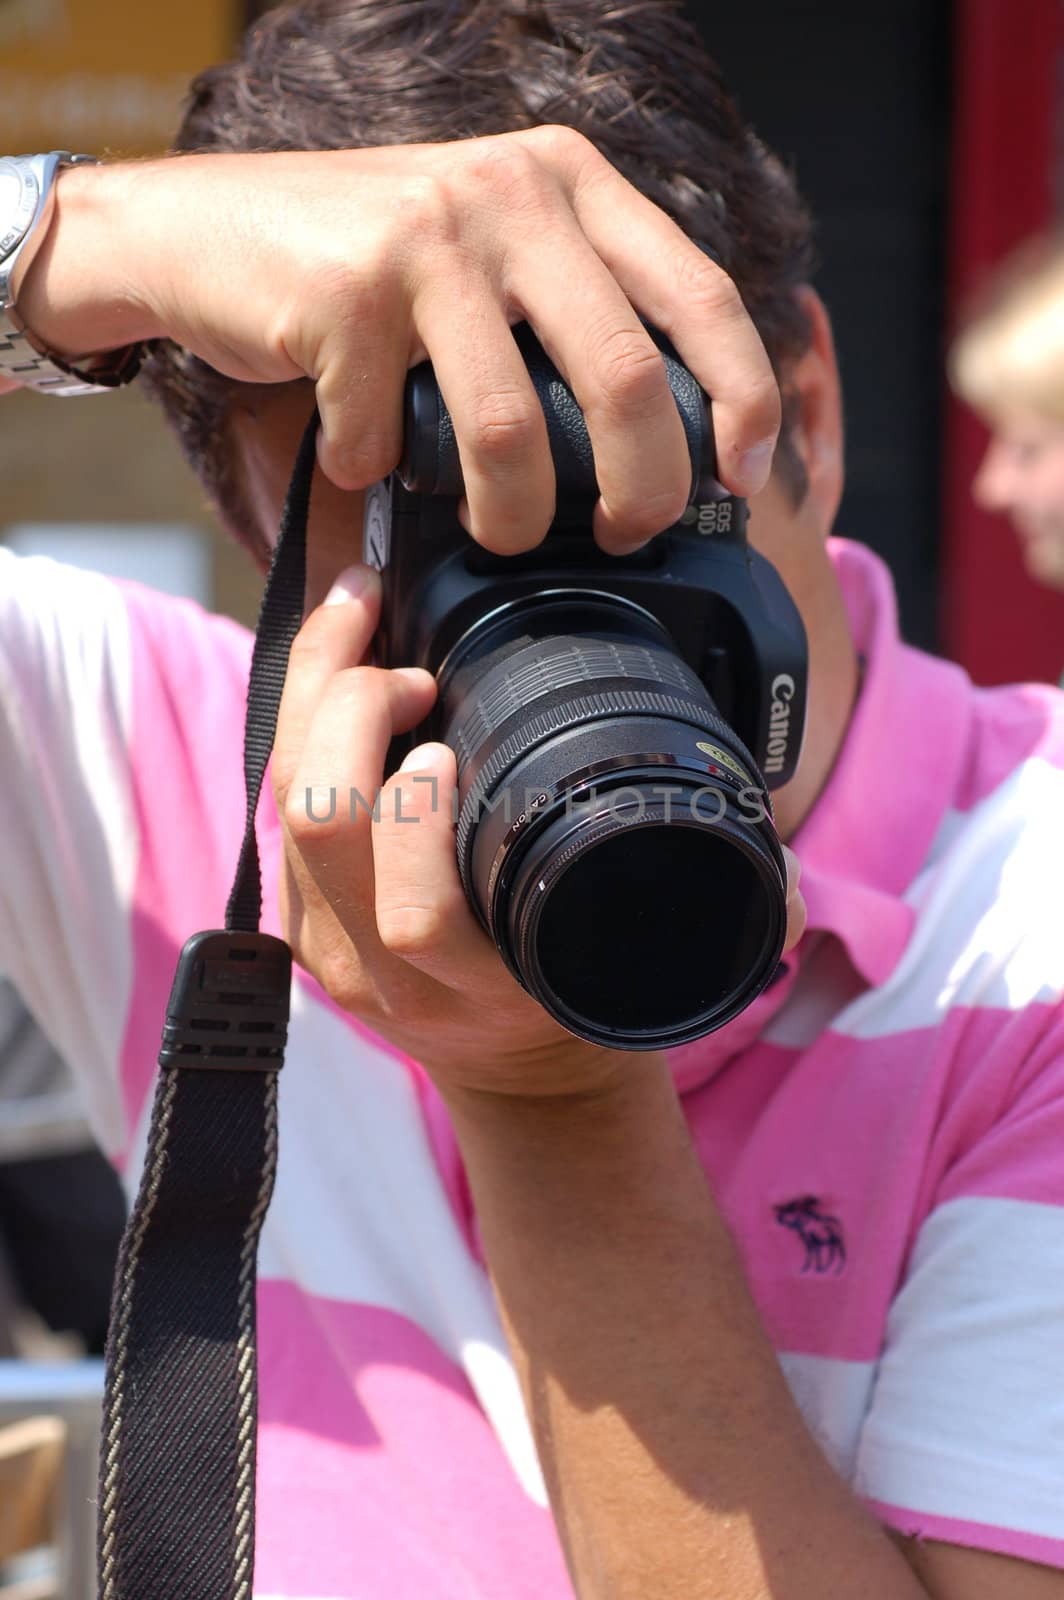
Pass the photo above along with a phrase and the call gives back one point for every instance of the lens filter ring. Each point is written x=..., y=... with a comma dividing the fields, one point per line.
x=642, y=926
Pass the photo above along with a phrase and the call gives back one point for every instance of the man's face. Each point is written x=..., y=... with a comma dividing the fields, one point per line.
x=1022, y=475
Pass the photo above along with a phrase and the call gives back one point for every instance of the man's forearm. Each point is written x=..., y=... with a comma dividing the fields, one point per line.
x=677, y=1462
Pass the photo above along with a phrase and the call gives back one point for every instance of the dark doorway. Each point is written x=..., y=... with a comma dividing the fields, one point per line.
x=855, y=99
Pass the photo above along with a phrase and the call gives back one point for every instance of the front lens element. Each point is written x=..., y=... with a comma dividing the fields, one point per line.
x=651, y=929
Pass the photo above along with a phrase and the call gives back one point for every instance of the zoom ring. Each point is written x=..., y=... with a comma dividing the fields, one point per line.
x=529, y=676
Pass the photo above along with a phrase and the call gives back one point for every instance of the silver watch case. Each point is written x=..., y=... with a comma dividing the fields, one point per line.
x=22, y=225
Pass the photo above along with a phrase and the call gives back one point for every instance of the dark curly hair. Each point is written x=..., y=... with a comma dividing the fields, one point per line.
x=633, y=77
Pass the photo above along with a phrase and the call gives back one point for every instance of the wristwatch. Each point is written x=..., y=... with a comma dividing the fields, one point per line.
x=27, y=200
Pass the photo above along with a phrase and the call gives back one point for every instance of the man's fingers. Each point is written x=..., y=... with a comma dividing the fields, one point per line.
x=335, y=795
x=618, y=377
x=357, y=349
x=796, y=912
x=423, y=915
x=499, y=424
x=335, y=636
x=681, y=291
x=460, y=241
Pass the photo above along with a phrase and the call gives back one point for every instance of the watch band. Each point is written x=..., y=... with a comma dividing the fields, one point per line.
x=25, y=359
x=22, y=365
x=28, y=364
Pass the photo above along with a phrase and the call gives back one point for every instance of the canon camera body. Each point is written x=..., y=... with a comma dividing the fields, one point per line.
x=617, y=722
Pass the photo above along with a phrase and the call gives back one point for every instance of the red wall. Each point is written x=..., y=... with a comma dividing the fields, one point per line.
x=1007, y=63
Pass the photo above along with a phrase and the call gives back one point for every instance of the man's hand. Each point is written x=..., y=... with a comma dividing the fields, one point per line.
x=349, y=267
x=373, y=906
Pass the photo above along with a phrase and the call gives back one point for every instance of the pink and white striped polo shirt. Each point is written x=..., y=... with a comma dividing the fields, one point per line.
x=883, y=1129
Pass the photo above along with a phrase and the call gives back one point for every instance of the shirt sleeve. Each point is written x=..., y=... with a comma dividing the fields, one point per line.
x=964, y=1440
x=116, y=707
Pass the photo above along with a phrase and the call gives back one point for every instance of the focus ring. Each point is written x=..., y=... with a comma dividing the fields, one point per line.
x=583, y=710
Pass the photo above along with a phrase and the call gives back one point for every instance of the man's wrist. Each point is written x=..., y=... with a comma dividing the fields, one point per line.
x=81, y=291
x=614, y=1088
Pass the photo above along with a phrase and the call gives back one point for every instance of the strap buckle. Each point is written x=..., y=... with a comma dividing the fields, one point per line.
x=229, y=1005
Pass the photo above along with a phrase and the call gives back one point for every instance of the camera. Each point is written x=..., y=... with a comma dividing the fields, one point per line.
x=618, y=723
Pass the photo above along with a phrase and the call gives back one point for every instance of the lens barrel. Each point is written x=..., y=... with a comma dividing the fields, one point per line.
x=614, y=834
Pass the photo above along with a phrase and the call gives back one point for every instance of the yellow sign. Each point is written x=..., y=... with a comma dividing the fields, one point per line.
x=104, y=76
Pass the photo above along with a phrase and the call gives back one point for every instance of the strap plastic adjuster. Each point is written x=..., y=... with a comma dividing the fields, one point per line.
x=229, y=1005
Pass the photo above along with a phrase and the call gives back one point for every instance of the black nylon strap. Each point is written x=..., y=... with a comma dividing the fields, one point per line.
x=279, y=619
x=177, y=1463
x=178, y=1455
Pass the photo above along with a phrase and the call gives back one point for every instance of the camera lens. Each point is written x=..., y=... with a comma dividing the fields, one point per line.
x=614, y=835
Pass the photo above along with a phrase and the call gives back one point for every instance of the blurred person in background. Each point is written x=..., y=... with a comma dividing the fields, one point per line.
x=778, y=1313
x=1008, y=363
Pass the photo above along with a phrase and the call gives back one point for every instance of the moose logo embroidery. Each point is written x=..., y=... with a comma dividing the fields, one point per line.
x=820, y=1233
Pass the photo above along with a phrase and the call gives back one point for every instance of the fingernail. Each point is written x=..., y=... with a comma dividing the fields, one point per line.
x=794, y=869
x=423, y=757
x=755, y=464
x=352, y=582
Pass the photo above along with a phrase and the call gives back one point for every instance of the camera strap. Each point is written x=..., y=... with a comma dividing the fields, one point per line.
x=176, y=1510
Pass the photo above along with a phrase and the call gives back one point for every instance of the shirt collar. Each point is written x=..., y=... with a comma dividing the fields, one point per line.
x=893, y=779
x=873, y=822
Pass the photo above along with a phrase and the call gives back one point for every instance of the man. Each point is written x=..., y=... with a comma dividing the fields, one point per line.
x=757, y=1386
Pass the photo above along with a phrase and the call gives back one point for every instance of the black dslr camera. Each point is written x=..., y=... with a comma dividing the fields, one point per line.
x=617, y=722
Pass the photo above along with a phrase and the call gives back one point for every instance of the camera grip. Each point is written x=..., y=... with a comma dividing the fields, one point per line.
x=431, y=464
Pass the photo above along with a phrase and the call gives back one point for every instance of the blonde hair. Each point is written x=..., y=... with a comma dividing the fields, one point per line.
x=1010, y=356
